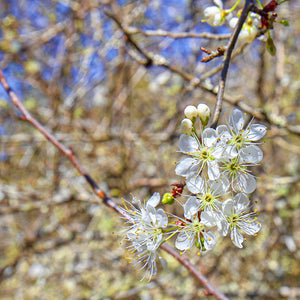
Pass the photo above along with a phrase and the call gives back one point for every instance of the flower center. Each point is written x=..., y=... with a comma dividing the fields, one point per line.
x=233, y=167
x=207, y=200
x=196, y=226
x=204, y=155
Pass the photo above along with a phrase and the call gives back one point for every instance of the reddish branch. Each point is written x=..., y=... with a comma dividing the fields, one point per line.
x=68, y=152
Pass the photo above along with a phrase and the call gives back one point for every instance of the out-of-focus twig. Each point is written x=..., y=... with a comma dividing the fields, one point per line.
x=194, y=81
x=71, y=156
x=178, y=35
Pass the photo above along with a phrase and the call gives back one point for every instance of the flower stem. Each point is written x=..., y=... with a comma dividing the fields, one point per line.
x=233, y=7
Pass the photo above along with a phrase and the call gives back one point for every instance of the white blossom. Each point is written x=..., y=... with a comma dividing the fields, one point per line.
x=207, y=201
x=145, y=231
x=214, y=14
x=193, y=232
x=248, y=33
x=240, y=178
x=235, y=137
x=236, y=214
x=201, y=153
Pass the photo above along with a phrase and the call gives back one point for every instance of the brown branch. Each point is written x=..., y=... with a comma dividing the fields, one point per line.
x=194, y=81
x=209, y=287
x=212, y=54
x=71, y=156
x=230, y=46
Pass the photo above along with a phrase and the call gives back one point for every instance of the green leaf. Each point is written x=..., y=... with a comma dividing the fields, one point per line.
x=271, y=46
x=284, y=22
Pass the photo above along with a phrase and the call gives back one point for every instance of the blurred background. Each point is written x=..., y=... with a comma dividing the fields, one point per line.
x=110, y=79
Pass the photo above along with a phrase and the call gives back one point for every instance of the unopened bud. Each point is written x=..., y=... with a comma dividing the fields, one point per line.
x=203, y=113
x=186, y=126
x=213, y=15
x=248, y=34
x=191, y=112
x=167, y=199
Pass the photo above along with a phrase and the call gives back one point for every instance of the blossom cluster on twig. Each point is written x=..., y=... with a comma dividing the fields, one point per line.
x=215, y=169
x=259, y=21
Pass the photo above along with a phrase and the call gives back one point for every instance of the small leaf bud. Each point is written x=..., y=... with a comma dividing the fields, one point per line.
x=186, y=126
x=191, y=112
x=167, y=199
x=203, y=113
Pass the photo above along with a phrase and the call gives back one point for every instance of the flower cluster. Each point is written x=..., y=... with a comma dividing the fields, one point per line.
x=250, y=28
x=215, y=169
x=216, y=15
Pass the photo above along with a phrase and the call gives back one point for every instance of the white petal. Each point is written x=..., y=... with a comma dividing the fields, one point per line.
x=162, y=218
x=132, y=234
x=163, y=262
x=191, y=207
x=236, y=120
x=231, y=152
x=152, y=265
x=246, y=183
x=236, y=237
x=219, y=3
x=209, y=137
x=208, y=219
x=251, y=154
x=224, y=227
x=250, y=226
x=218, y=151
x=228, y=207
x=241, y=202
x=195, y=184
x=209, y=240
x=213, y=170
x=146, y=216
x=154, y=200
x=152, y=245
x=221, y=221
x=152, y=214
x=185, y=240
x=188, y=143
x=219, y=186
x=256, y=132
x=187, y=167
x=223, y=133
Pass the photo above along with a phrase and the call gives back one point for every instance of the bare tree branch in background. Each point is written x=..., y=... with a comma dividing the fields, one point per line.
x=71, y=156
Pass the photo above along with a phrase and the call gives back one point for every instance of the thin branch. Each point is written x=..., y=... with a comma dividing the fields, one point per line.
x=230, y=46
x=212, y=54
x=209, y=287
x=68, y=152
x=177, y=35
x=71, y=156
x=194, y=81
